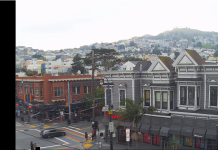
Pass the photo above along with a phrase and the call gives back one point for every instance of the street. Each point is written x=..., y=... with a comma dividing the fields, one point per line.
x=74, y=135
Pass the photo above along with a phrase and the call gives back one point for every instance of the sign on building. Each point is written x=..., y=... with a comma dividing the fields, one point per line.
x=111, y=126
x=127, y=134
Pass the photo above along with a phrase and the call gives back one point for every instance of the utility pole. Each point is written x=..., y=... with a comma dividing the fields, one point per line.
x=68, y=97
x=93, y=86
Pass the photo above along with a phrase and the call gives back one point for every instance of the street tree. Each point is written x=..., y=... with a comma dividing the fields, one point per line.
x=99, y=98
x=156, y=51
x=106, y=57
x=134, y=112
x=77, y=64
x=216, y=53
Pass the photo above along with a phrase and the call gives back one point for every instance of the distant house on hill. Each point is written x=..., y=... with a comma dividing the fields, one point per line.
x=129, y=65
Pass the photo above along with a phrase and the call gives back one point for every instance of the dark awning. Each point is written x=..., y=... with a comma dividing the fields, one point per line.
x=155, y=130
x=211, y=134
x=164, y=131
x=187, y=131
x=175, y=129
x=199, y=132
x=145, y=128
x=125, y=124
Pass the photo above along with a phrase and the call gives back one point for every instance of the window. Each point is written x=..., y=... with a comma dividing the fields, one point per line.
x=156, y=139
x=187, y=141
x=171, y=99
x=41, y=94
x=147, y=97
x=21, y=89
x=198, y=95
x=76, y=90
x=164, y=100
x=25, y=89
x=213, y=96
x=147, y=138
x=108, y=96
x=31, y=90
x=36, y=91
x=58, y=91
x=183, y=91
x=87, y=89
x=157, y=99
x=191, y=95
x=122, y=96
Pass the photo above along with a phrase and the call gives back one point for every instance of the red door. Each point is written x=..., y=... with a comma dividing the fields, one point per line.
x=197, y=142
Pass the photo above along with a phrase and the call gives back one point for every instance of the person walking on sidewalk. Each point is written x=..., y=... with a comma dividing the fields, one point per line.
x=86, y=136
x=31, y=145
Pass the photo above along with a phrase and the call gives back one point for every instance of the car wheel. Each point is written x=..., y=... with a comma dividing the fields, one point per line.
x=48, y=136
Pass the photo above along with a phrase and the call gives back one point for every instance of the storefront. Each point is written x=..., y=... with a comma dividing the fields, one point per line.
x=164, y=133
x=187, y=136
x=144, y=129
x=211, y=136
x=174, y=134
x=154, y=130
x=199, y=137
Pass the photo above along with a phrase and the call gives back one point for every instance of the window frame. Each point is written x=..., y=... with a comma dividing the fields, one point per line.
x=36, y=91
x=76, y=90
x=145, y=97
x=86, y=87
x=209, y=104
x=21, y=89
x=124, y=98
x=58, y=91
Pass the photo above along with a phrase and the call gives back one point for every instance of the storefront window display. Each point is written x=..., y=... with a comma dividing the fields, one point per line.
x=156, y=139
x=199, y=143
x=187, y=141
x=147, y=138
x=121, y=134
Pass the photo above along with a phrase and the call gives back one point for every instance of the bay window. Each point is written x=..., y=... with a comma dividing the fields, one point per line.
x=183, y=91
x=157, y=99
x=161, y=98
x=191, y=95
x=164, y=100
x=122, y=97
x=147, y=98
x=213, y=95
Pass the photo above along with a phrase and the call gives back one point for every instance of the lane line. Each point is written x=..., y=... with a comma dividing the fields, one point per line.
x=61, y=140
x=74, y=127
x=74, y=130
x=50, y=146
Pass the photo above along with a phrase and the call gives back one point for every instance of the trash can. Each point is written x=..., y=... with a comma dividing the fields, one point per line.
x=68, y=121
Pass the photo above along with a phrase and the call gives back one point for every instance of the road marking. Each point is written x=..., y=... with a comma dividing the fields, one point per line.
x=73, y=130
x=50, y=146
x=74, y=127
x=84, y=128
x=61, y=140
x=37, y=130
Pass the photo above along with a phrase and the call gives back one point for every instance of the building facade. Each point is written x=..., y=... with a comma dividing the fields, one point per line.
x=185, y=93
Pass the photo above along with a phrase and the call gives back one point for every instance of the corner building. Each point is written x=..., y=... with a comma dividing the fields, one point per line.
x=185, y=93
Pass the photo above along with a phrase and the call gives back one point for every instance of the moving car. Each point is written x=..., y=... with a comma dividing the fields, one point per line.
x=51, y=132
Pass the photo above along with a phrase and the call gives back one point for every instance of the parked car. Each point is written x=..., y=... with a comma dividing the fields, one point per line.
x=51, y=132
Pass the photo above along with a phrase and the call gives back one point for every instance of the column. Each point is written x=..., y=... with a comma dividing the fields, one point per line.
x=161, y=100
x=187, y=100
x=178, y=95
x=195, y=103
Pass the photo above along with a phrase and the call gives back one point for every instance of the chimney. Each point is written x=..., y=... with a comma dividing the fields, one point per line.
x=140, y=67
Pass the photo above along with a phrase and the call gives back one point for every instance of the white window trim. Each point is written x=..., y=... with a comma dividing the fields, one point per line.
x=119, y=97
x=76, y=93
x=188, y=106
x=144, y=88
x=168, y=100
x=35, y=91
x=87, y=89
x=209, y=98
x=105, y=95
x=57, y=90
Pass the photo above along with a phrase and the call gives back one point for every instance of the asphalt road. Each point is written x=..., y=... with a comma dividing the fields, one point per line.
x=74, y=135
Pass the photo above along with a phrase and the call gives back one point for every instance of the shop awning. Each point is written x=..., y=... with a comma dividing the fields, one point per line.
x=155, y=130
x=187, y=131
x=199, y=132
x=125, y=124
x=144, y=128
x=175, y=129
x=164, y=131
x=211, y=134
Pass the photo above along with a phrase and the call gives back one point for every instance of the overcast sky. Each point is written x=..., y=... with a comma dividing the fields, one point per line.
x=60, y=24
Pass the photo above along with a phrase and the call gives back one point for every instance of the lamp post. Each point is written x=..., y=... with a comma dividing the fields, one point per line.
x=108, y=99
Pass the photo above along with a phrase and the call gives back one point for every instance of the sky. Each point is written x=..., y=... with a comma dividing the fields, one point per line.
x=62, y=24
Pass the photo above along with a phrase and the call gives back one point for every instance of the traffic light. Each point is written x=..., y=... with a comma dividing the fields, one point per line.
x=30, y=106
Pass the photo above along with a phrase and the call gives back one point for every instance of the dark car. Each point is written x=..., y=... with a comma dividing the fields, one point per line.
x=48, y=133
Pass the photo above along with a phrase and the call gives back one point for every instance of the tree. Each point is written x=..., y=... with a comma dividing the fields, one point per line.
x=29, y=73
x=121, y=47
x=77, y=64
x=132, y=44
x=134, y=112
x=199, y=44
x=216, y=53
x=42, y=58
x=176, y=54
x=37, y=56
x=125, y=59
x=156, y=51
x=23, y=69
x=99, y=98
x=106, y=57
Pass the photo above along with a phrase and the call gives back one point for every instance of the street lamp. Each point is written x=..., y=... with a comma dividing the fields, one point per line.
x=108, y=99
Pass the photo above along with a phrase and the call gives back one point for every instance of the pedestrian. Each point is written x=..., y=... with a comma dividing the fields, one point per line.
x=92, y=135
x=22, y=119
x=86, y=136
x=35, y=146
x=31, y=145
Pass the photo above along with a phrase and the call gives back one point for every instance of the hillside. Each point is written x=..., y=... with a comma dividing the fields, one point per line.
x=184, y=32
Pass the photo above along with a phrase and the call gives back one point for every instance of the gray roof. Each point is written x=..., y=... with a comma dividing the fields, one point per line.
x=201, y=111
x=134, y=62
